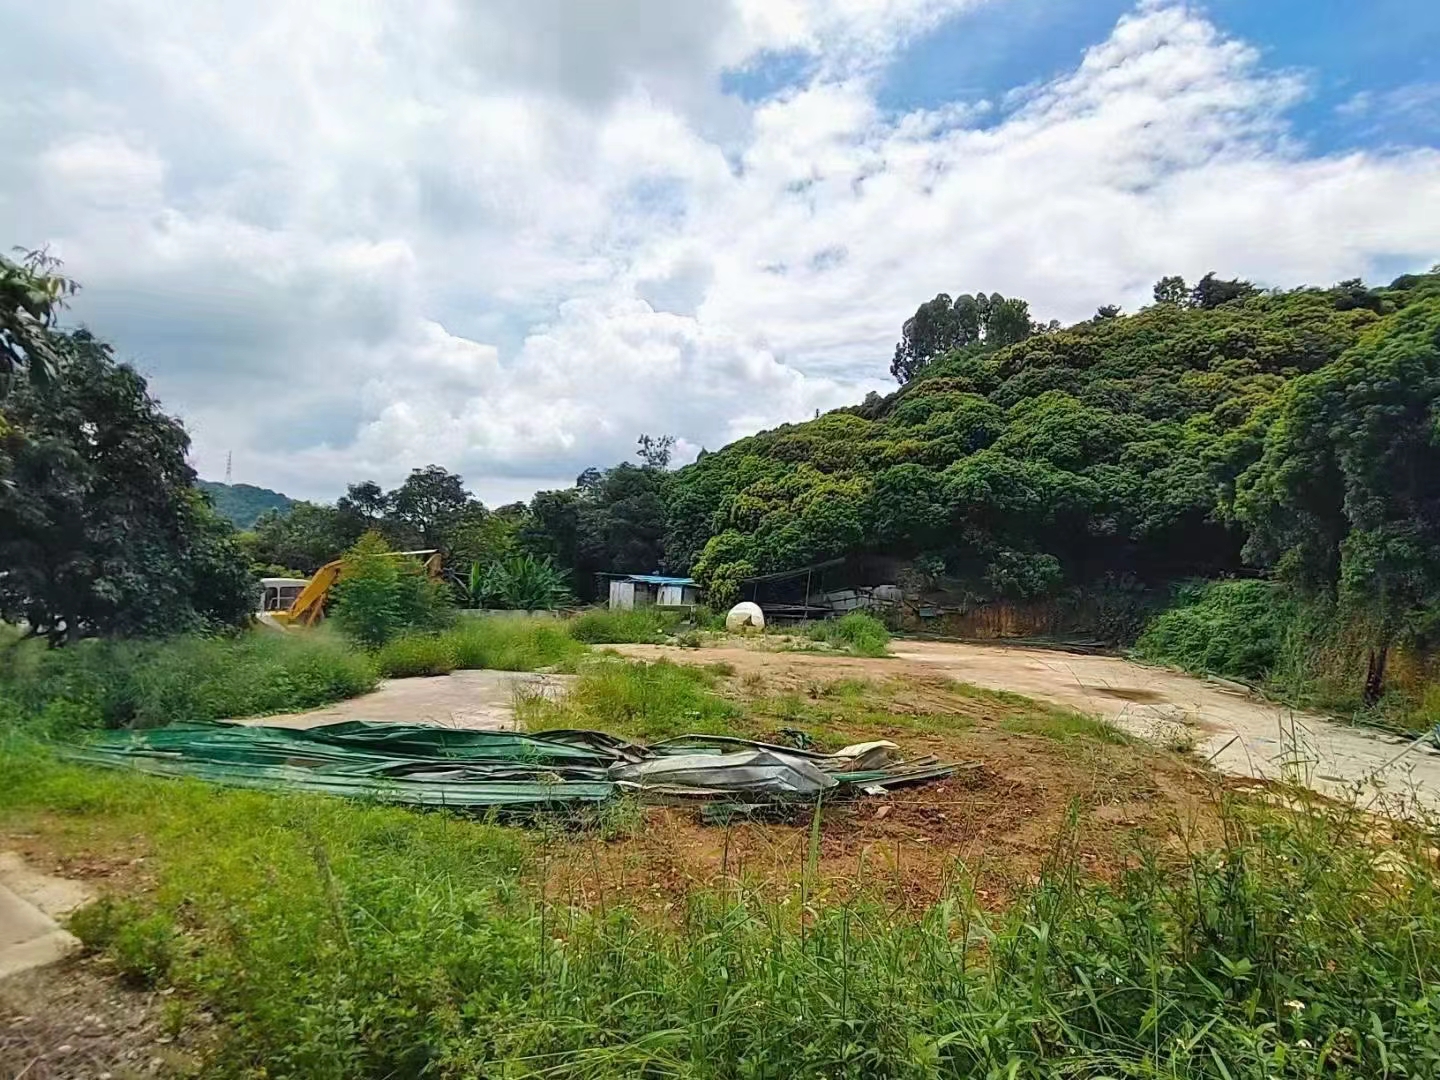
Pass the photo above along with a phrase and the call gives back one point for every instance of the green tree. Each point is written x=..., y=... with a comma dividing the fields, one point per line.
x=305, y=537
x=1345, y=500
x=32, y=295
x=1172, y=290
x=935, y=328
x=101, y=528
x=379, y=594
x=428, y=505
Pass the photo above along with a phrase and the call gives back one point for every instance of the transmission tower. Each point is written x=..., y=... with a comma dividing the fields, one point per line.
x=228, y=455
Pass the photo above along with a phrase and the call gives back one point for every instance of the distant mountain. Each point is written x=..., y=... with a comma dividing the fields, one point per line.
x=243, y=503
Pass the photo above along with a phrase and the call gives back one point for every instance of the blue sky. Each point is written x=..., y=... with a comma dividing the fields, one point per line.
x=506, y=237
x=1343, y=49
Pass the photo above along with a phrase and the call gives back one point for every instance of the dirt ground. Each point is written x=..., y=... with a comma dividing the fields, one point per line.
x=1028, y=790
x=76, y=1021
x=466, y=699
x=1235, y=732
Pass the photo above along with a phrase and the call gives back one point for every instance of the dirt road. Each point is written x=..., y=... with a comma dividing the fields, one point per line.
x=466, y=699
x=1239, y=734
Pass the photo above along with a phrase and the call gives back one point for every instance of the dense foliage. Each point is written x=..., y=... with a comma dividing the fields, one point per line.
x=101, y=528
x=115, y=683
x=1220, y=428
x=242, y=504
x=1232, y=628
x=610, y=521
x=379, y=596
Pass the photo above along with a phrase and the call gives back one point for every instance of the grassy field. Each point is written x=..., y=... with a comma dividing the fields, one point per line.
x=103, y=683
x=332, y=940
x=1071, y=904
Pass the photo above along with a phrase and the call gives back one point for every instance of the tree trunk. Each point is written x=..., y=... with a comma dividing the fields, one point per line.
x=1375, y=674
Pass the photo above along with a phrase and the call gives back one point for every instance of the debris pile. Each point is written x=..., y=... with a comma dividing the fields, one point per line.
x=460, y=769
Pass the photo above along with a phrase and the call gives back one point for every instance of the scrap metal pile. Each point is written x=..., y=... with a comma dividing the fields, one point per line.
x=473, y=770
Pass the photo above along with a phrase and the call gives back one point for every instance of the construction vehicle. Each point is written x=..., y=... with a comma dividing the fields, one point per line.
x=290, y=602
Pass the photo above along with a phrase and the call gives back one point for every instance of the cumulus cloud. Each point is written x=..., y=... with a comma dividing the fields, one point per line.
x=509, y=237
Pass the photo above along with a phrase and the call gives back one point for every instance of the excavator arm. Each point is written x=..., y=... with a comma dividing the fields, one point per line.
x=308, y=607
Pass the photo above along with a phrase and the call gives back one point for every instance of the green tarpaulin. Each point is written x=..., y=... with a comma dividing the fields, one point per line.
x=469, y=770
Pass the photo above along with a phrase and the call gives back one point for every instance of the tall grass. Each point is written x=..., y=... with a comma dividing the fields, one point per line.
x=500, y=642
x=333, y=941
x=602, y=626
x=859, y=633
x=114, y=684
x=644, y=701
x=1231, y=628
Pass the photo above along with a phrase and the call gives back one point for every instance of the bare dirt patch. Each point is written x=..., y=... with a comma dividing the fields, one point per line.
x=478, y=699
x=75, y=1021
x=1238, y=734
x=1035, y=778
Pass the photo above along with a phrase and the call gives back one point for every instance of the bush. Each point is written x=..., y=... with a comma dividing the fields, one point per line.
x=1231, y=628
x=859, y=633
x=601, y=626
x=380, y=595
x=416, y=654
x=150, y=683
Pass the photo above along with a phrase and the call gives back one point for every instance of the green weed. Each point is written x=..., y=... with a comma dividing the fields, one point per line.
x=417, y=654
x=513, y=643
x=601, y=626
x=644, y=701
x=334, y=941
x=1063, y=725
x=858, y=633
x=150, y=683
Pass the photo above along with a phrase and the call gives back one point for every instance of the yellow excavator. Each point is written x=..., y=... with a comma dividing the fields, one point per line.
x=291, y=602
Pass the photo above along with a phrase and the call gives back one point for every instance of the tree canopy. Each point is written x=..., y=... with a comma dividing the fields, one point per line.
x=101, y=528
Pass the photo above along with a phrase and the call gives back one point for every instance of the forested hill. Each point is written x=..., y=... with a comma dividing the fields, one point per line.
x=242, y=504
x=1219, y=428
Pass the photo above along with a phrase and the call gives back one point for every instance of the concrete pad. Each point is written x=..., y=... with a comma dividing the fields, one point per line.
x=481, y=700
x=30, y=901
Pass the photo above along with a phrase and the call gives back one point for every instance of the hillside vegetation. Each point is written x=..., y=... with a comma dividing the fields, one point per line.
x=242, y=504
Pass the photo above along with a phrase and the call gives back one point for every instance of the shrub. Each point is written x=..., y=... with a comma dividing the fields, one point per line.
x=521, y=582
x=379, y=594
x=1234, y=628
x=859, y=633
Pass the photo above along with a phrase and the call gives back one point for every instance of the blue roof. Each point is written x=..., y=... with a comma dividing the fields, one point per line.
x=660, y=579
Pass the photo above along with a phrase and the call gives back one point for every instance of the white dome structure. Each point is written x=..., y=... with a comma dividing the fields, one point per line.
x=745, y=616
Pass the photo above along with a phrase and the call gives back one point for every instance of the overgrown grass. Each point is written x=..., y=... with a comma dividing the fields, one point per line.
x=858, y=633
x=513, y=643
x=643, y=701
x=601, y=626
x=842, y=711
x=1064, y=725
x=502, y=643
x=151, y=683
x=331, y=940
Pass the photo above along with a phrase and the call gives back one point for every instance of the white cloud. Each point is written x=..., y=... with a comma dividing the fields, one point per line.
x=508, y=237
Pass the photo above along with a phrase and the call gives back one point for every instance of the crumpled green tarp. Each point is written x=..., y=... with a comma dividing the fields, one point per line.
x=467, y=770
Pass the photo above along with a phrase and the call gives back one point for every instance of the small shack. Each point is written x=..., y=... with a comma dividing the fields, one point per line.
x=628, y=591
